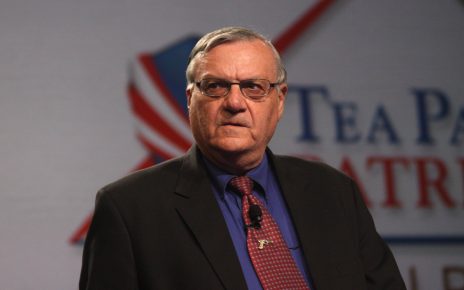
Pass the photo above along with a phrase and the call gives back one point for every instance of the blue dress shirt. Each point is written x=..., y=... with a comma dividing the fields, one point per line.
x=269, y=193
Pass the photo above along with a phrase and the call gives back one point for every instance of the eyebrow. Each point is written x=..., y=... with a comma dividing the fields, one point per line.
x=208, y=76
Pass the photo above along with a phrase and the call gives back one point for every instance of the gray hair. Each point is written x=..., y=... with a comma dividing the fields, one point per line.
x=225, y=35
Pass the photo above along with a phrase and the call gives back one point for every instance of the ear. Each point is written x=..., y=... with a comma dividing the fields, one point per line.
x=282, y=95
x=188, y=93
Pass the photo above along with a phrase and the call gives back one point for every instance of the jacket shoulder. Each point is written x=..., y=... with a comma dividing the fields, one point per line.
x=158, y=178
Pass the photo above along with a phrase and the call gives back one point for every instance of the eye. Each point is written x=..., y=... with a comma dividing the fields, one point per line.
x=253, y=85
x=215, y=84
x=214, y=87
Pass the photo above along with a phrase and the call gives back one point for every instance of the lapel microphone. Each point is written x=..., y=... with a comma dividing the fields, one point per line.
x=255, y=215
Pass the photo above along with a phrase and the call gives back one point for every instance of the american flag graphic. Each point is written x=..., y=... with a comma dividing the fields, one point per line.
x=156, y=91
x=157, y=95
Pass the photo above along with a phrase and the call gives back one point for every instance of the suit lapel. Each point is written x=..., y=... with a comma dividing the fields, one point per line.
x=198, y=207
x=309, y=211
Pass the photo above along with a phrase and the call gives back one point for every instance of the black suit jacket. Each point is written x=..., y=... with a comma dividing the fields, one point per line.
x=161, y=228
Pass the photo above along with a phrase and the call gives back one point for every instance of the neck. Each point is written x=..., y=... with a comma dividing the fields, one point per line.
x=234, y=162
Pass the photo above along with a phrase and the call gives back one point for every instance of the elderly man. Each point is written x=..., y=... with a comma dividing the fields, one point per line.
x=230, y=214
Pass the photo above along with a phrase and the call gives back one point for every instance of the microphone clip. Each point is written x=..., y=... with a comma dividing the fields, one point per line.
x=256, y=216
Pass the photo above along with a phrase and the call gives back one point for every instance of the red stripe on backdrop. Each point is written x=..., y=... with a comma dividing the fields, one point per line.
x=147, y=162
x=151, y=117
x=292, y=33
x=150, y=147
x=79, y=234
x=146, y=61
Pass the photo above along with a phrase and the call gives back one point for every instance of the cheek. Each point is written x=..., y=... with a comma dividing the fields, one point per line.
x=267, y=116
x=266, y=122
x=202, y=116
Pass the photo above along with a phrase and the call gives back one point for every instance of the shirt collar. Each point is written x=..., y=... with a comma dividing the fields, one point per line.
x=221, y=178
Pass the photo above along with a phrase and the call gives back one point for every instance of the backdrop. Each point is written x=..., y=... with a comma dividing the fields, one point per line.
x=91, y=90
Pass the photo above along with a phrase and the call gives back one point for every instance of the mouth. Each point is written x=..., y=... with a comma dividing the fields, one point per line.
x=234, y=124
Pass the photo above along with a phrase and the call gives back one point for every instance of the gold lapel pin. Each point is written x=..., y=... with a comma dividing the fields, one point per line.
x=262, y=243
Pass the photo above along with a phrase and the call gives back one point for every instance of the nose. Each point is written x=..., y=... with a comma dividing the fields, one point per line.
x=235, y=101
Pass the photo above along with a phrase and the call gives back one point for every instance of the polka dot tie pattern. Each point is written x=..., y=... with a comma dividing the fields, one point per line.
x=268, y=251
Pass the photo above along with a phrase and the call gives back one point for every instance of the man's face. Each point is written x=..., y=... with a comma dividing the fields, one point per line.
x=234, y=125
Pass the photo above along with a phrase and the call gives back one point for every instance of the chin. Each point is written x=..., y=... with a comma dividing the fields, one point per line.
x=232, y=146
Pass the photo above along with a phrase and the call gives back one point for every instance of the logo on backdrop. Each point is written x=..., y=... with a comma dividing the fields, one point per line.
x=157, y=95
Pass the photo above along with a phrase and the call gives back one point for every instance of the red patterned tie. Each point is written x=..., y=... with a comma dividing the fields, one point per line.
x=268, y=251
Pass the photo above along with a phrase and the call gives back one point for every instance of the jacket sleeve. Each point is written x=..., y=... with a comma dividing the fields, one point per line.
x=381, y=270
x=108, y=260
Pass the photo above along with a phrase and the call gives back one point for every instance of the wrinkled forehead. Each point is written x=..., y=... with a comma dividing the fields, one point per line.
x=248, y=55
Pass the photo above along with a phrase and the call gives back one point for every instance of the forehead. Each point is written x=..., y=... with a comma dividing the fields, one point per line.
x=238, y=60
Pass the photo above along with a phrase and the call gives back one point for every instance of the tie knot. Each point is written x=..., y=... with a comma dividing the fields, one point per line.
x=242, y=184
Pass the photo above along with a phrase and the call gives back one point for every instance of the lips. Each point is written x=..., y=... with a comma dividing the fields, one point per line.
x=234, y=123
